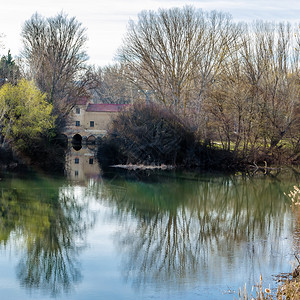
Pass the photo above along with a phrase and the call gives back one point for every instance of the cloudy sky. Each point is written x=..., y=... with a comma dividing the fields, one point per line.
x=106, y=20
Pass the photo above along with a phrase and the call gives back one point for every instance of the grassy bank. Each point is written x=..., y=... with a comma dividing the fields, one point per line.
x=152, y=135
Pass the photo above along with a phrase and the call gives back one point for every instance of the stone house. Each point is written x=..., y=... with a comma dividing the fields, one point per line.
x=89, y=121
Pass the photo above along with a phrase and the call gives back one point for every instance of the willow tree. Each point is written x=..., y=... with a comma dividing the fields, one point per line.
x=176, y=52
x=54, y=49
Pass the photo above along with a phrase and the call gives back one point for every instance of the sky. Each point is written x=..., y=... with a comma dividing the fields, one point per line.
x=106, y=20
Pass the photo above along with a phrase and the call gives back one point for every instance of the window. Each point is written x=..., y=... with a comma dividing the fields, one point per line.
x=77, y=123
x=77, y=110
x=91, y=161
x=76, y=173
x=92, y=123
x=76, y=160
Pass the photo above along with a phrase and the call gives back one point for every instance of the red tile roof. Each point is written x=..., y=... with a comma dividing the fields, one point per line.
x=103, y=107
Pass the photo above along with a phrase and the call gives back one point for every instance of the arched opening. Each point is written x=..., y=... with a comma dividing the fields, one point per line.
x=77, y=147
x=77, y=139
x=91, y=146
x=91, y=140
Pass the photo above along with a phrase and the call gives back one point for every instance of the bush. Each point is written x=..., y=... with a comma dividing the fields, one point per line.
x=150, y=134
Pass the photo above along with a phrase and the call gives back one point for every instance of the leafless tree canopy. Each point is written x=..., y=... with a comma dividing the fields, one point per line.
x=109, y=85
x=177, y=52
x=239, y=83
x=54, y=49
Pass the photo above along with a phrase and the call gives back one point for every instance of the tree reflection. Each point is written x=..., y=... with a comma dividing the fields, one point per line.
x=50, y=223
x=186, y=229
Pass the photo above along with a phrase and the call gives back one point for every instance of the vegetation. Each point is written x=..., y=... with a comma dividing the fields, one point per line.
x=33, y=113
x=9, y=70
x=54, y=49
x=109, y=85
x=169, y=51
x=295, y=195
x=148, y=134
x=238, y=83
x=27, y=126
x=24, y=114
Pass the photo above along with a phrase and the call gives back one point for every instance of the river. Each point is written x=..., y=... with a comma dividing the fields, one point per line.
x=143, y=235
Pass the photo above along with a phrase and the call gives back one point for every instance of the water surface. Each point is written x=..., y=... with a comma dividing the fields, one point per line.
x=163, y=235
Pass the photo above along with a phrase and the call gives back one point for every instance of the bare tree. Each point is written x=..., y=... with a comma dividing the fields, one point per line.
x=277, y=91
x=176, y=53
x=254, y=101
x=54, y=49
x=110, y=85
x=159, y=49
x=220, y=40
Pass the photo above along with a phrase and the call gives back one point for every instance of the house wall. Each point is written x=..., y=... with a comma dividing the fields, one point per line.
x=81, y=164
x=101, y=121
x=77, y=117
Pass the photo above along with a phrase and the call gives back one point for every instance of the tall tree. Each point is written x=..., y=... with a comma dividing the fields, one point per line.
x=54, y=49
x=109, y=85
x=176, y=52
x=254, y=102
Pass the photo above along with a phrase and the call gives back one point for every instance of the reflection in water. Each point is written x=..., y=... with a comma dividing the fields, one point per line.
x=172, y=230
x=51, y=225
x=77, y=147
x=81, y=163
x=198, y=231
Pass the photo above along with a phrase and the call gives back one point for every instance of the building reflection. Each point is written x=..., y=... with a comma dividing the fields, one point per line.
x=81, y=163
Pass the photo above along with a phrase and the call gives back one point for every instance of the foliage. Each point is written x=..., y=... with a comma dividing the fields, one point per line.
x=289, y=290
x=295, y=195
x=24, y=114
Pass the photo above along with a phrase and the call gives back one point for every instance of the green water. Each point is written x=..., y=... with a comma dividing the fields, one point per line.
x=163, y=235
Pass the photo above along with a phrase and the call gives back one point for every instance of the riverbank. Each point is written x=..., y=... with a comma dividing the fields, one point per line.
x=289, y=283
x=153, y=135
x=288, y=289
x=45, y=157
x=8, y=161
